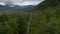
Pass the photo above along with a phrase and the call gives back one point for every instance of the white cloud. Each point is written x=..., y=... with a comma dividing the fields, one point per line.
x=23, y=2
x=1, y=3
x=30, y=3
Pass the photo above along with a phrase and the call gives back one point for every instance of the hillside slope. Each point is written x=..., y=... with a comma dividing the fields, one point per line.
x=48, y=3
x=47, y=20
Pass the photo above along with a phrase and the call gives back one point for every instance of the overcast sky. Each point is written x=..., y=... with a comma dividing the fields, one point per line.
x=22, y=2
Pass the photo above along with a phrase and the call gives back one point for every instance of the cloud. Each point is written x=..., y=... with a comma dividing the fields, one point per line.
x=31, y=2
x=28, y=2
x=19, y=0
x=2, y=3
x=22, y=2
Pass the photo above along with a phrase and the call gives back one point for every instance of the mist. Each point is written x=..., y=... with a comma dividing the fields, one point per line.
x=21, y=2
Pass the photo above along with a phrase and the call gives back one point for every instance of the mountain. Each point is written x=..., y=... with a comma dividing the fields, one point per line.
x=15, y=7
x=48, y=3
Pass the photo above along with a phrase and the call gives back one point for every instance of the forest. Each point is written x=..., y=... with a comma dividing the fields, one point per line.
x=44, y=20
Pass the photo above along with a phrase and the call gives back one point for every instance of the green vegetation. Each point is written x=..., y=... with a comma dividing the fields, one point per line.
x=44, y=20
x=13, y=23
x=48, y=4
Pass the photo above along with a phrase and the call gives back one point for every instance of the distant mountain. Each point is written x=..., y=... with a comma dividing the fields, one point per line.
x=15, y=7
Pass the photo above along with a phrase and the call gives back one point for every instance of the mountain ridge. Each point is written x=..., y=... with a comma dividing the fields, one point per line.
x=15, y=7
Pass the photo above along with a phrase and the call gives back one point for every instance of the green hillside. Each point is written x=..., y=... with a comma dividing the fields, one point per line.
x=47, y=20
x=44, y=20
x=48, y=3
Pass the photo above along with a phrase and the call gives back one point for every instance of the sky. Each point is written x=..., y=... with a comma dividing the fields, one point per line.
x=21, y=2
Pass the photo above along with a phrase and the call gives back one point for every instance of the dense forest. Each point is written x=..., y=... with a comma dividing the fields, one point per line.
x=44, y=20
x=48, y=3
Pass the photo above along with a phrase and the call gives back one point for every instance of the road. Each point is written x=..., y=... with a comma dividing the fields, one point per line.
x=29, y=23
